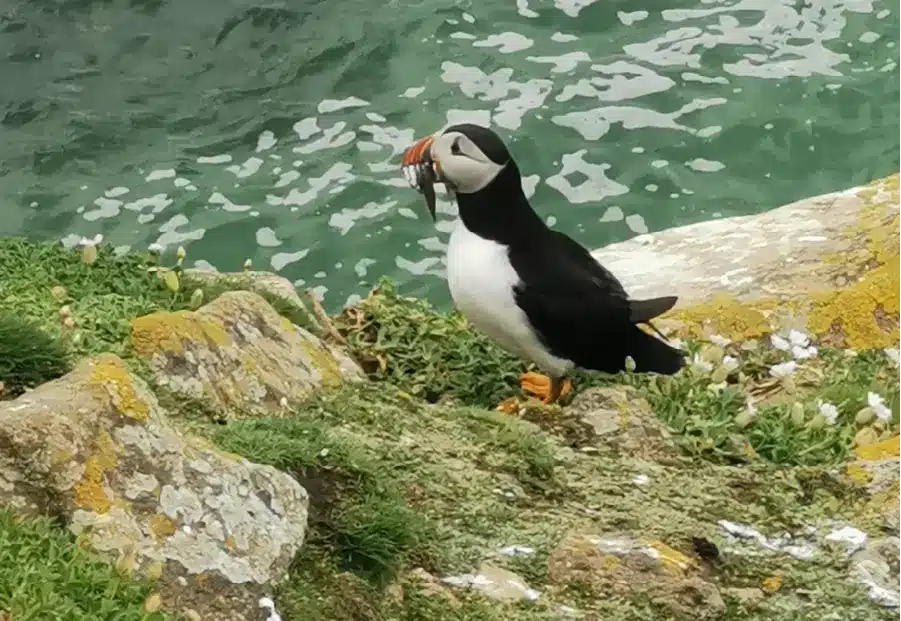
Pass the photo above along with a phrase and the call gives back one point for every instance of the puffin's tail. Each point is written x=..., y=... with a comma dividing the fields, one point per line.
x=651, y=355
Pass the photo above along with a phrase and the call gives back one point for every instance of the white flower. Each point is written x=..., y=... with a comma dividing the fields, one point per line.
x=779, y=343
x=876, y=402
x=796, y=337
x=803, y=353
x=828, y=411
x=701, y=364
x=749, y=408
x=719, y=341
x=893, y=354
x=155, y=248
x=730, y=362
x=784, y=369
x=94, y=241
x=641, y=479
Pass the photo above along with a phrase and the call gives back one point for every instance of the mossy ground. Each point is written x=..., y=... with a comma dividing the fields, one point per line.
x=414, y=469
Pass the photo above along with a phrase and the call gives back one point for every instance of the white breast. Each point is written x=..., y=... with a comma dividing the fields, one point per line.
x=481, y=282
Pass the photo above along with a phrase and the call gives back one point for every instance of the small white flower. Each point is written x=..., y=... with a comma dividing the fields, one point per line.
x=893, y=354
x=730, y=362
x=876, y=402
x=784, y=369
x=828, y=411
x=749, y=408
x=779, y=343
x=641, y=479
x=155, y=248
x=701, y=364
x=796, y=337
x=94, y=241
x=803, y=353
x=719, y=341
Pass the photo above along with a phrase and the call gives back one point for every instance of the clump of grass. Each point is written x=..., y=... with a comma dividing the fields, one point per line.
x=432, y=355
x=45, y=575
x=358, y=511
x=29, y=356
x=104, y=295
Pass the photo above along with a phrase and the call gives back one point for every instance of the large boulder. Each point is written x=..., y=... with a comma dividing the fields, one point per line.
x=238, y=356
x=94, y=448
x=826, y=264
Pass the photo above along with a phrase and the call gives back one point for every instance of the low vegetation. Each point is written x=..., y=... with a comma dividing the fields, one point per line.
x=414, y=476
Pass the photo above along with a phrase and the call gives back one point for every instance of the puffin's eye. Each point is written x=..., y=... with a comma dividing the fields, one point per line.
x=455, y=147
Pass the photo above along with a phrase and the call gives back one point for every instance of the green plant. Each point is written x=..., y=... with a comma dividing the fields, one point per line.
x=45, y=575
x=29, y=356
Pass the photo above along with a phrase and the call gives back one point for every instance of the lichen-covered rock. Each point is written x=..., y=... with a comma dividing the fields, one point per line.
x=494, y=582
x=620, y=418
x=264, y=283
x=876, y=567
x=616, y=565
x=876, y=470
x=94, y=448
x=828, y=265
x=238, y=356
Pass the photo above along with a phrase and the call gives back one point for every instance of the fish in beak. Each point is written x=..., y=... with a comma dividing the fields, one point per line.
x=422, y=171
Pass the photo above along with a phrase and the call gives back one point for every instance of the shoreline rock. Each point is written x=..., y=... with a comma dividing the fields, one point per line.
x=827, y=264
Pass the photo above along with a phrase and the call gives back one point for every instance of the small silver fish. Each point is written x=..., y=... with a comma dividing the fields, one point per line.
x=420, y=171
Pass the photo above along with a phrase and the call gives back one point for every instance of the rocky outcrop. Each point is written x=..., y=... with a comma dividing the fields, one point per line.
x=238, y=356
x=617, y=565
x=95, y=449
x=827, y=264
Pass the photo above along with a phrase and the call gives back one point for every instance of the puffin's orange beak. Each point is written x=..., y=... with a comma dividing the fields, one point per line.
x=419, y=153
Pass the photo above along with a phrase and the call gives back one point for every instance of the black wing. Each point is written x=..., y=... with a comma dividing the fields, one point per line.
x=571, y=304
x=640, y=311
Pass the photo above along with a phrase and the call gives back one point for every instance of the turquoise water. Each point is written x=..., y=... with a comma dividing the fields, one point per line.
x=273, y=131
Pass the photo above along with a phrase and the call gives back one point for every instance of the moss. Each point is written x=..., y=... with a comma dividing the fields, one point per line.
x=110, y=376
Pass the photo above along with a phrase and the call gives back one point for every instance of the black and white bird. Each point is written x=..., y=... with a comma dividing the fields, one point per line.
x=534, y=291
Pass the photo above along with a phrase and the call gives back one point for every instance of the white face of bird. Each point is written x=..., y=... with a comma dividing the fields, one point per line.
x=461, y=165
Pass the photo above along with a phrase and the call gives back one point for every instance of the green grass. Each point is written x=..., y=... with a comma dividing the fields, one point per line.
x=358, y=512
x=436, y=356
x=103, y=296
x=44, y=575
x=29, y=356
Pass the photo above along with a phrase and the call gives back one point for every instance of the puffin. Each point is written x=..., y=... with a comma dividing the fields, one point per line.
x=533, y=291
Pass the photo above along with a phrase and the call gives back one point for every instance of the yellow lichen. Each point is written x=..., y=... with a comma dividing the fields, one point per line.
x=671, y=559
x=168, y=332
x=725, y=315
x=88, y=492
x=162, y=526
x=857, y=473
x=879, y=450
x=324, y=363
x=110, y=376
x=861, y=315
